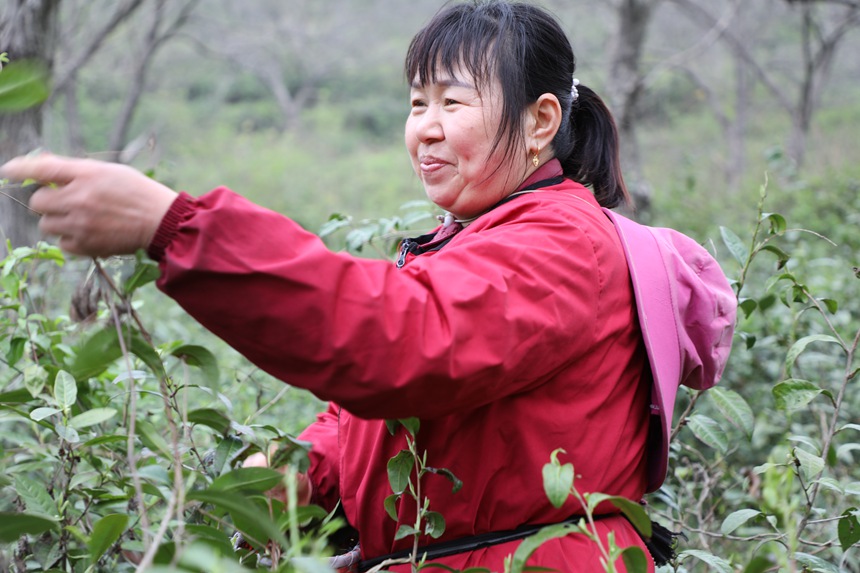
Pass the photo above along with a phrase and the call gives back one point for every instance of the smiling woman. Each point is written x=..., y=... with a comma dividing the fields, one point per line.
x=510, y=331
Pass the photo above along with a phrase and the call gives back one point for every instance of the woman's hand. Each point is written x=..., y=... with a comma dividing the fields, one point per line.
x=96, y=208
x=304, y=489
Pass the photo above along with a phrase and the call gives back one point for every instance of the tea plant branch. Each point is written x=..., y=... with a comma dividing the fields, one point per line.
x=831, y=432
x=682, y=420
x=824, y=316
x=131, y=455
x=109, y=281
x=269, y=404
x=766, y=537
x=177, y=500
x=21, y=203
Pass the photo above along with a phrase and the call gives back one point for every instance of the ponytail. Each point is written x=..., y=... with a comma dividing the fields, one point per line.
x=587, y=146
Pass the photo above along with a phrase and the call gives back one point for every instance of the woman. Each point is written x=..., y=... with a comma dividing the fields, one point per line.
x=510, y=332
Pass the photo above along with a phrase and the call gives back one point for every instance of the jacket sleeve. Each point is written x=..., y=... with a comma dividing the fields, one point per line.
x=495, y=312
x=324, y=470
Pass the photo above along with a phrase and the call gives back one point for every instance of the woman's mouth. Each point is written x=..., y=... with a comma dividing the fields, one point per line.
x=430, y=164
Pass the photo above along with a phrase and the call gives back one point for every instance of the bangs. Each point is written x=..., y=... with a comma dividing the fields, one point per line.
x=460, y=41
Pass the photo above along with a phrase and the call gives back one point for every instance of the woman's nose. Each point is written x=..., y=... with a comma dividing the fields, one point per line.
x=429, y=126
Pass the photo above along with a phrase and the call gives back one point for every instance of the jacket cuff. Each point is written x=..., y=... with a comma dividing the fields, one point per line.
x=179, y=211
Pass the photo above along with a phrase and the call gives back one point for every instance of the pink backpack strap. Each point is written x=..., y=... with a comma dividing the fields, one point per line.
x=687, y=310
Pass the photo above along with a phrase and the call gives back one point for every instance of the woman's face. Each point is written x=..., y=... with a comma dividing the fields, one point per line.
x=449, y=135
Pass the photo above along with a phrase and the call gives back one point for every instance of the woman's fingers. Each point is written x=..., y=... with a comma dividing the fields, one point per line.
x=97, y=208
x=45, y=168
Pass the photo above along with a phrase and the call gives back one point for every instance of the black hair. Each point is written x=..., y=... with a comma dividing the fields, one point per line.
x=525, y=48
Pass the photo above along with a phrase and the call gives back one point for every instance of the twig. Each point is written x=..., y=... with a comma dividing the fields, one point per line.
x=132, y=422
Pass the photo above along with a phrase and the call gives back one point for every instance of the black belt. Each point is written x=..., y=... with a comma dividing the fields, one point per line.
x=472, y=543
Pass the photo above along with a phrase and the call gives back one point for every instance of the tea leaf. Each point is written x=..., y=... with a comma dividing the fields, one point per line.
x=65, y=390
x=14, y=525
x=736, y=519
x=106, y=532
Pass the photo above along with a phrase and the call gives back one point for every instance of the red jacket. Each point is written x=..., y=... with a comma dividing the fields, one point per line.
x=518, y=337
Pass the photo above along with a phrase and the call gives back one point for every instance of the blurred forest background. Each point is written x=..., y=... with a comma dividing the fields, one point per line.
x=300, y=104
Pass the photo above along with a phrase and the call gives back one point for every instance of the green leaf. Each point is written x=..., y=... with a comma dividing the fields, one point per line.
x=14, y=525
x=227, y=449
x=42, y=413
x=145, y=272
x=794, y=394
x=782, y=256
x=19, y=397
x=530, y=544
x=392, y=426
x=736, y=247
x=23, y=84
x=412, y=425
x=748, y=306
x=831, y=305
x=65, y=390
x=92, y=417
x=153, y=439
x=390, y=505
x=759, y=564
x=35, y=377
x=304, y=565
x=557, y=480
x=399, y=470
x=211, y=418
x=713, y=561
x=777, y=222
x=798, y=347
x=634, y=560
x=434, y=524
x=849, y=427
x=35, y=496
x=449, y=475
x=291, y=451
x=815, y=564
x=211, y=534
x=709, y=432
x=405, y=531
x=736, y=519
x=257, y=524
x=106, y=532
x=810, y=465
x=102, y=349
x=734, y=408
x=202, y=358
x=69, y=434
x=247, y=479
x=849, y=529
x=335, y=221
x=634, y=512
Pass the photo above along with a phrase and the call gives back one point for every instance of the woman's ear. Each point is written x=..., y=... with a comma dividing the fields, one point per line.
x=544, y=119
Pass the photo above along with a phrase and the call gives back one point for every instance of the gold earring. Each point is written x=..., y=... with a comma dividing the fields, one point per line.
x=535, y=158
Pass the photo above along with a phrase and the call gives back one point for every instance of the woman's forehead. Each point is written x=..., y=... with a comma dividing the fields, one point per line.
x=457, y=75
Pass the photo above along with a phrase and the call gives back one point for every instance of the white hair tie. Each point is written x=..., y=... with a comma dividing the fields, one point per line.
x=574, y=93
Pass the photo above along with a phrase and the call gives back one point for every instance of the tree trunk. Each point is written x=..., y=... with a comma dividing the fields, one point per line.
x=26, y=32
x=624, y=87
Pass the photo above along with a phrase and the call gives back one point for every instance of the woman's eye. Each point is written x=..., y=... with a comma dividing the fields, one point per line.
x=418, y=103
x=450, y=101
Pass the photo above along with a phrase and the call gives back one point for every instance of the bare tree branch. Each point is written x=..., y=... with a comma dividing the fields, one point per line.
x=719, y=28
x=71, y=68
x=154, y=39
x=740, y=50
